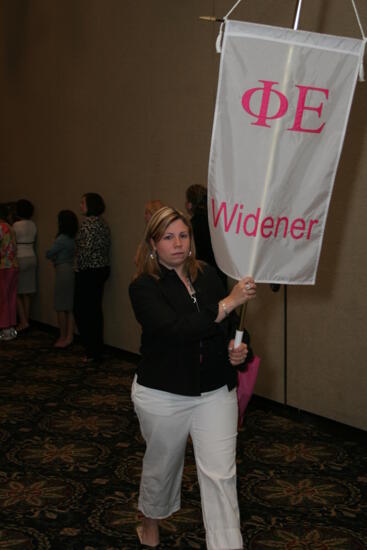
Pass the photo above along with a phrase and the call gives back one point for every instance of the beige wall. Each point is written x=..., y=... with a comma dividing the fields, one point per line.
x=117, y=97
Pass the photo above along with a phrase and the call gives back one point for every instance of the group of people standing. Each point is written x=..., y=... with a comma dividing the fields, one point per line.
x=80, y=254
x=17, y=268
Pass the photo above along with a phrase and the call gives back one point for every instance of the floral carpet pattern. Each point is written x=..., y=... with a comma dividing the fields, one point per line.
x=71, y=459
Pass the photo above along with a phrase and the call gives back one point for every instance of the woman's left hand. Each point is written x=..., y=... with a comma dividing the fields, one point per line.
x=237, y=355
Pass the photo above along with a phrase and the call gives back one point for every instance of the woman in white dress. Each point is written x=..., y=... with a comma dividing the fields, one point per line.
x=25, y=231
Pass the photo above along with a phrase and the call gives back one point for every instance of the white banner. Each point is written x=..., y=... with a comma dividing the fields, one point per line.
x=281, y=113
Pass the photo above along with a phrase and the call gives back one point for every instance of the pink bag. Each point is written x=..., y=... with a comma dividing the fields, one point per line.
x=245, y=386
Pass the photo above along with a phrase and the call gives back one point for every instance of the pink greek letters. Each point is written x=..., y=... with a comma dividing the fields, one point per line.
x=301, y=107
x=264, y=117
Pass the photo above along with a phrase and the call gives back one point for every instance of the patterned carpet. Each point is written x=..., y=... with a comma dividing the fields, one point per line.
x=71, y=458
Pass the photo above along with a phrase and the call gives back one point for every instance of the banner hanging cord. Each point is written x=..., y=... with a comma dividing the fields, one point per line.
x=364, y=38
x=353, y=4
x=358, y=20
x=218, y=44
x=232, y=9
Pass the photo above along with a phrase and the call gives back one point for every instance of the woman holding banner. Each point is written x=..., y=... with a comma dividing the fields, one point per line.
x=186, y=380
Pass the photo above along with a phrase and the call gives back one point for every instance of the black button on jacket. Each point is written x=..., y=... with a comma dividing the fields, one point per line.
x=183, y=350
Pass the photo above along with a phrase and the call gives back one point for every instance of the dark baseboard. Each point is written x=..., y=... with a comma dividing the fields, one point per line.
x=332, y=426
x=128, y=356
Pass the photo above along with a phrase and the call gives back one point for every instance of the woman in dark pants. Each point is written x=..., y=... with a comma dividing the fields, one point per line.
x=92, y=269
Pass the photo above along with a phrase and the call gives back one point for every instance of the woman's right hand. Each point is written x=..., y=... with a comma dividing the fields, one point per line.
x=242, y=292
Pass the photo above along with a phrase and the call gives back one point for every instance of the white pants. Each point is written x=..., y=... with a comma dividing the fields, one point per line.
x=166, y=420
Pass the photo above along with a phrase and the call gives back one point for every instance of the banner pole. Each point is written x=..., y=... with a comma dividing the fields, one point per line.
x=242, y=319
x=239, y=331
x=297, y=15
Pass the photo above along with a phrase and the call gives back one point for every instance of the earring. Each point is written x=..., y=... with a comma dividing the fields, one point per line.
x=190, y=252
x=151, y=256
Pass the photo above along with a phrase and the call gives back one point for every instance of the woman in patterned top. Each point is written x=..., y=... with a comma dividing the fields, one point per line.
x=8, y=278
x=92, y=268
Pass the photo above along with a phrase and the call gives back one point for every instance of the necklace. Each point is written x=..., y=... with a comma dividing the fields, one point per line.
x=192, y=291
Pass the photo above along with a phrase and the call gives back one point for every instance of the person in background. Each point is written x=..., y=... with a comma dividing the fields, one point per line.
x=8, y=278
x=12, y=212
x=196, y=206
x=61, y=254
x=25, y=232
x=92, y=269
x=186, y=379
x=150, y=208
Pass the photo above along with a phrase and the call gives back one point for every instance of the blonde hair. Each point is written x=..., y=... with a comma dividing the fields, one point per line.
x=147, y=260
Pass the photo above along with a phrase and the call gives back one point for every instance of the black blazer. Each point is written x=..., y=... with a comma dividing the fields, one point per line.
x=183, y=350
